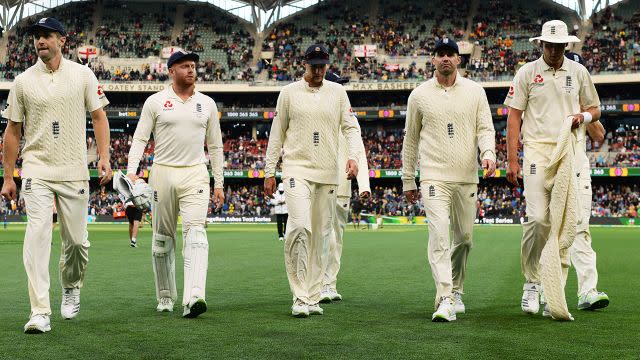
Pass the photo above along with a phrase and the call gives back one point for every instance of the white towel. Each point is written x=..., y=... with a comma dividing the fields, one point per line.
x=560, y=179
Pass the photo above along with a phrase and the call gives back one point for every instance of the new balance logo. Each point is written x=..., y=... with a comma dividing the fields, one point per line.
x=316, y=138
x=432, y=191
x=199, y=107
x=81, y=192
x=532, y=169
x=155, y=196
x=292, y=183
x=450, y=130
x=27, y=184
x=55, y=128
x=331, y=191
x=472, y=194
x=200, y=191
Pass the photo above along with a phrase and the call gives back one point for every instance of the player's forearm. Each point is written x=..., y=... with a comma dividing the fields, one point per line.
x=135, y=154
x=216, y=157
x=11, y=148
x=596, y=131
x=101, y=131
x=514, y=121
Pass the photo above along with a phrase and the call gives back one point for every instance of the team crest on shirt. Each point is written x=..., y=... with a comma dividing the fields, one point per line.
x=568, y=84
x=168, y=105
x=512, y=91
x=100, y=92
x=199, y=107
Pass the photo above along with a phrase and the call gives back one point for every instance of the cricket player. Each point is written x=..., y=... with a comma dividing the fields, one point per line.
x=332, y=259
x=52, y=98
x=280, y=207
x=448, y=120
x=583, y=257
x=181, y=120
x=311, y=113
x=134, y=216
x=544, y=92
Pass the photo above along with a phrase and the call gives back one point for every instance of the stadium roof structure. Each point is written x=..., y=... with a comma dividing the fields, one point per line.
x=261, y=13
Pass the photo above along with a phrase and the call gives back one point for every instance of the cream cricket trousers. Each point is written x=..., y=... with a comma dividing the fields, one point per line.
x=72, y=199
x=311, y=209
x=338, y=225
x=449, y=204
x=583, y=258
x=177, y=190
x=538, y=225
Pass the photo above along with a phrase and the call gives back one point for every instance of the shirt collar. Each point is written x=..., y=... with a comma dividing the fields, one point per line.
x=43, y=67
x=547, y=67
x=172, y=94
x=440, y=86
x=312, y=89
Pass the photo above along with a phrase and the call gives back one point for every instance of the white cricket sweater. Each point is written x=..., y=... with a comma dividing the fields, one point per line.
x=445, y=127
x=53, y=105
x=307, y=125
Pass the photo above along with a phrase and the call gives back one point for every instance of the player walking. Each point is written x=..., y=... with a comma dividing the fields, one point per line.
x=310, y=115
x=52, y=98
x=543, y=93
x=181, y=120
x=447, y=112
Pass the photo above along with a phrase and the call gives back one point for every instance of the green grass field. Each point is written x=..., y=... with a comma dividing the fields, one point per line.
x=386, y=313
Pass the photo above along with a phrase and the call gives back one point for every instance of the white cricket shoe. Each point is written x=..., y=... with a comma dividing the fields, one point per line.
x=38, y=324
x=459, y=305
x=325, y=294
x=165, y=304
x=281, y=238
x=531, y=298
x=315, y=309
x=546, y=312
x=299, y=309
x=446, y=311
x=335, y=296
x=196, y=307
x=593, y=300
x=70, y=306
x=133, y=243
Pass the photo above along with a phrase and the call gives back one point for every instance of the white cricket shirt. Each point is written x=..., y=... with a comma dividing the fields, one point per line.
x=180, y=130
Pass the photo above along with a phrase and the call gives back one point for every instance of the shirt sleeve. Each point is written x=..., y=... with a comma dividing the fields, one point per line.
x=484, y=129
x=588, y=95
x=279, y=128
x=518, y=95
x=140, y=138
x=215, y=147
x=363, y=170
x=412, y=128
x=15, y=110
x=349, y=127
x=94, y=97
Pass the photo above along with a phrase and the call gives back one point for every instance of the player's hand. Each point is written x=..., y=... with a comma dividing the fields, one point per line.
x=269, y=186
x=578, y=119
x=351, y=169
x=513, y=173
x=365, y=195
x=9, y=190
x=218, y=197
x=133, y=177
x=412, y=196
x=104, y=171
x=490, y=168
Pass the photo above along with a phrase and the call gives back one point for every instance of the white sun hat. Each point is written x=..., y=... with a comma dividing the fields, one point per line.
x=555, y=31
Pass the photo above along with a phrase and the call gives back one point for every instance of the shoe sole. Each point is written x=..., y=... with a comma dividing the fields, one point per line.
x=442, y=319
x=325, y=300
x=300, y=315
x=600, y=304
x=198, y=308
x=164, y=310
x=35, y=330
x=336, y=299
